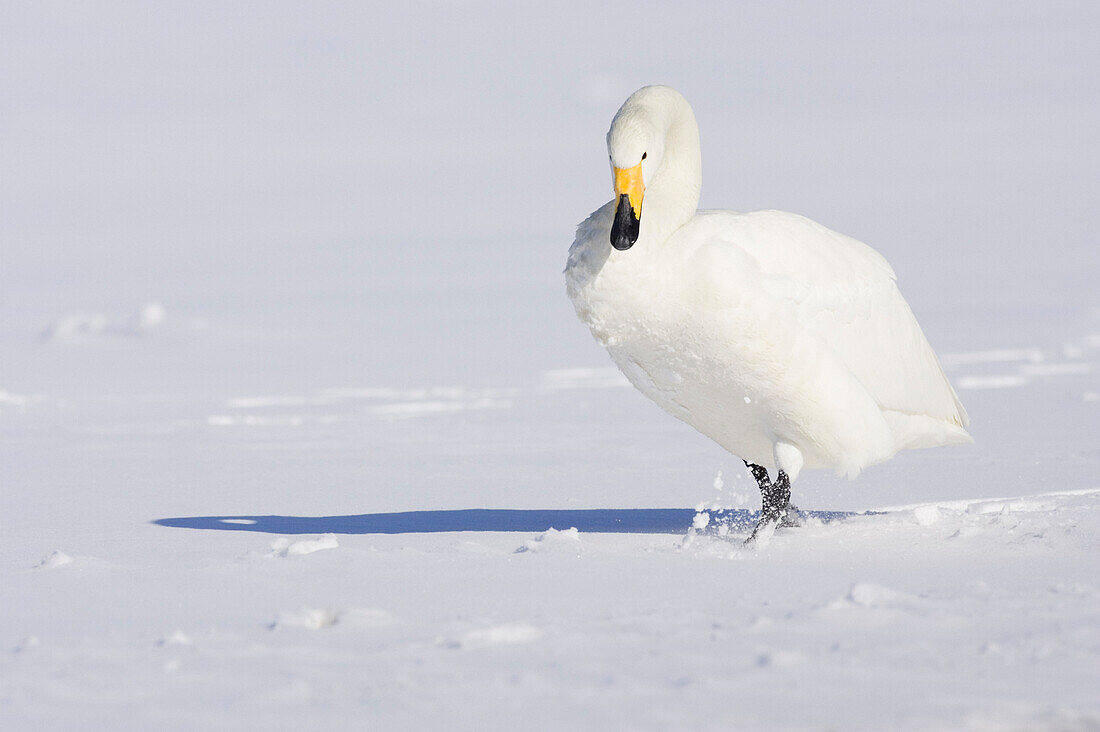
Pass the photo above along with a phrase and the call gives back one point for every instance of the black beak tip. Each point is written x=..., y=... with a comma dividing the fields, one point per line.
x=624, y=232
x=621, y=243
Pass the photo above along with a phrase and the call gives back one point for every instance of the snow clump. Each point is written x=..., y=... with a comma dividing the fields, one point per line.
x=553, y=540
x=286, y=548
x=507, y=634
x=57, y=559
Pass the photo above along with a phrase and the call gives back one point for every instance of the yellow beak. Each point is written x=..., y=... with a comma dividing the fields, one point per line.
x=629, y=181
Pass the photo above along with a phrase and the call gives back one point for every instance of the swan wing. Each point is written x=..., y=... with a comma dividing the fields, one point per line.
x=844, y=294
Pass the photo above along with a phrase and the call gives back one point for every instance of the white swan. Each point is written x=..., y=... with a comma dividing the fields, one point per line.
x=783, y=341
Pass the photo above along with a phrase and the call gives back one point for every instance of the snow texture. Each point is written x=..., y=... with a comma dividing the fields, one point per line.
x=298, y=428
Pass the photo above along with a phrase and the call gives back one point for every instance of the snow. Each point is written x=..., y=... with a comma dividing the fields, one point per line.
x=311, y=379
x=508, y=633
x=568, y=540
x=284, y=548
x=83, y=326
x=926, y=515
x=176, y=638
x=57, y=559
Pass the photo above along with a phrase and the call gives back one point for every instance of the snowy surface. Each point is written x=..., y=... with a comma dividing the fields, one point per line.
x=298, y=429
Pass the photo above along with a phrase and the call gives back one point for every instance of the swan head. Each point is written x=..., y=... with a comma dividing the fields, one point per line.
x=636, y=147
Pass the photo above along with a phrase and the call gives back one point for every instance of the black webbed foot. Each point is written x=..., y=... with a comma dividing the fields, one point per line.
x=777, y=510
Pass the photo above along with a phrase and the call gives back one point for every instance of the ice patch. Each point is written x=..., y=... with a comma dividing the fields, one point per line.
x=553, y=540
x=286, y=548
x=507, y=634
x=57, y=559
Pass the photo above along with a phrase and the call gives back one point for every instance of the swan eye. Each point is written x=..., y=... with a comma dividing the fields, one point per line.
x=643, y=155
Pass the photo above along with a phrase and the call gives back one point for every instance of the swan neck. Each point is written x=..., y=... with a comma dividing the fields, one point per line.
x=672, y=197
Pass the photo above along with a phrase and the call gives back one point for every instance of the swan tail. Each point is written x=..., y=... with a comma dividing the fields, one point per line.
x=913, y=431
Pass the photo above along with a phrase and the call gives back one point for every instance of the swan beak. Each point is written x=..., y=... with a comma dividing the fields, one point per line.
x=628, y=189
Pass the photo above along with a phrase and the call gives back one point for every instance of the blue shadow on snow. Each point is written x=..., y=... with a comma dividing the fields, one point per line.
x=598, y=520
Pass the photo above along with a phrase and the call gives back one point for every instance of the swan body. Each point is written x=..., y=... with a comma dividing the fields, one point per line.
x=785, y=342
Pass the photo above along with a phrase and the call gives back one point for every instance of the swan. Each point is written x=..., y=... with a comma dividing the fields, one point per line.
x=785, y=342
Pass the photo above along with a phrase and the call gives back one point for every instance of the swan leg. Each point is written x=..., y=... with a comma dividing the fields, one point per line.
x=760, y=473
x=788, y=461
x=776, y=509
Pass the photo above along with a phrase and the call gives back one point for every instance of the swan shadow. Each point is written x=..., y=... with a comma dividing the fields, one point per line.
x=601, y=521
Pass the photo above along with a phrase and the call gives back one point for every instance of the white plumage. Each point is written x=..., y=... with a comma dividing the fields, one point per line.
x=785, y=342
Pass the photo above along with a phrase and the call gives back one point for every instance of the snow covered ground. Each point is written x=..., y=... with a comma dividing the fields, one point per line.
x=280, y=303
